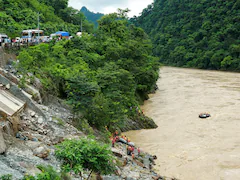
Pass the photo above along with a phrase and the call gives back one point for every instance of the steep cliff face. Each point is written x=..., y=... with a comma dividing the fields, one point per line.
x=141, y=122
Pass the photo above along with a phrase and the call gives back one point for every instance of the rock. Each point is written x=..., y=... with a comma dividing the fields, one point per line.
x=45, y=108
x=157, y=177
x=118, y=171
x=139, y=163
x=18, y=135
x=37, y=83
x=117, y=153
x=39, y=150
x=40, y=119
x=8, y=86
x=2, y=143
x=34, y=139
x=32, y=127
x=4, y=170
x=33, y=114
x=33, y=171
x=27, y=136
x=57, y=140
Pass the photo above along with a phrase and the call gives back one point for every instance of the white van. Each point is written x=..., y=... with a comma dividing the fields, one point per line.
x=3, y=37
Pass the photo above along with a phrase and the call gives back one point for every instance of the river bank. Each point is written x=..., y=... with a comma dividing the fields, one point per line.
x=208, y=148
x=29, y=137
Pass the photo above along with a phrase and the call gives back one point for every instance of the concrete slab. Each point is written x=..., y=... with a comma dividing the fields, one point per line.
x=10, y=104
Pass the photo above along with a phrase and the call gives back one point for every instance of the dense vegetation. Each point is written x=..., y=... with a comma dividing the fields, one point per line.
x=54, y=15
x=92, y=155
x=202, y=33
x=104, y=76
x=91, y=16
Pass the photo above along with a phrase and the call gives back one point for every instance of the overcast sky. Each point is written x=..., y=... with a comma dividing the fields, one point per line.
x=110, y=6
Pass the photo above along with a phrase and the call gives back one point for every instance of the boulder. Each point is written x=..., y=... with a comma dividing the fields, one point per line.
x=57, y=139
x=8, y=86
x=33, y=145
x=33, y=114
x=40, y=120
x=41, y=152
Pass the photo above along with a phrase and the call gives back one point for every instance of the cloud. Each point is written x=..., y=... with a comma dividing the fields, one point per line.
x=110, y=6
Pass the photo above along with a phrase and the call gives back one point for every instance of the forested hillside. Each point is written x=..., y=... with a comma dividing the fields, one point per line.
x=54, y=15
x=201, y=33
x=91, y=16
x=104, y=76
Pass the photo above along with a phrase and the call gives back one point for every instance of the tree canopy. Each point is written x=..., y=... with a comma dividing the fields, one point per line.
x=202, y=33
x=103, y=75
x=54, y=15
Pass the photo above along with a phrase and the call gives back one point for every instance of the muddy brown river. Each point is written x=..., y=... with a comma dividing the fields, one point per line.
x=187, y=147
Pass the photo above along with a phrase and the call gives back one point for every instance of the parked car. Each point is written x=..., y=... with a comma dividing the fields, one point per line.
x=4, y=37
x=45, y=39
x=17, y=39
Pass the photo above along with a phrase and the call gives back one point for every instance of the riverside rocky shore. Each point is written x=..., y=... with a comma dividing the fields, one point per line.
x=28, y=139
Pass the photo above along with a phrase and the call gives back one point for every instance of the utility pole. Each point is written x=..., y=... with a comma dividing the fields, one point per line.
x=81, y=24
x=38, y=28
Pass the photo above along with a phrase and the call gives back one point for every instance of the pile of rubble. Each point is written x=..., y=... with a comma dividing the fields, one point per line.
x=35, y=140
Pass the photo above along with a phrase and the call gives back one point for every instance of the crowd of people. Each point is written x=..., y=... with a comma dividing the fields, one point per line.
x=130, y=148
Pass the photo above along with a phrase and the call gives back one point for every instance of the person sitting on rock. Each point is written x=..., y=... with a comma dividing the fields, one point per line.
x=129, y=150
x=132, y=155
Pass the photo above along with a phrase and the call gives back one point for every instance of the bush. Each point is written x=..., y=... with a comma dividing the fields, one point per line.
x=6, y=177
x=48, y=173
x=85, y=153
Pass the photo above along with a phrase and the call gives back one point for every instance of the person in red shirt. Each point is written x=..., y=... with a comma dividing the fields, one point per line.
x=138, y=149
x=113, y=142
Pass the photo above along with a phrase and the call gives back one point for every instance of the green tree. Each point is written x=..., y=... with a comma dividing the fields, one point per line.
x=199, y=26
x=226, y=62
x=101, y=76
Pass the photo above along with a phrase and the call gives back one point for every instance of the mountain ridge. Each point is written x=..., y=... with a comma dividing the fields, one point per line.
x=91, y=16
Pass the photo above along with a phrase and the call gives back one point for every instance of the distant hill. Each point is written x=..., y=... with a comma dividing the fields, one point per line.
x=201, y=33
x=91, y=16
x=18, y=15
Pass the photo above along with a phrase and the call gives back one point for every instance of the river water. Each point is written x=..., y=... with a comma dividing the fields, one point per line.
x=187, y=147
